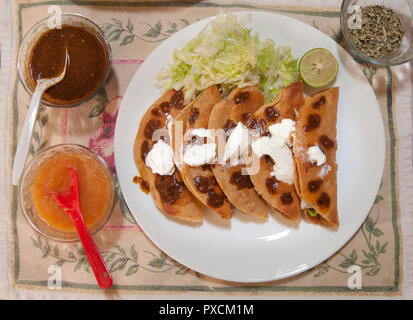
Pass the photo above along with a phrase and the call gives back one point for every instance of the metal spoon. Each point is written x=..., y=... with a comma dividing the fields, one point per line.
x=27, y=130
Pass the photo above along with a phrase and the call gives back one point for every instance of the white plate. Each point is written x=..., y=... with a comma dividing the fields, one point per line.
x=243, y=249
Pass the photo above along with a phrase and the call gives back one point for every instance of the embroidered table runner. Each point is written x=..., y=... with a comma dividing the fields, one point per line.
x=138, y=267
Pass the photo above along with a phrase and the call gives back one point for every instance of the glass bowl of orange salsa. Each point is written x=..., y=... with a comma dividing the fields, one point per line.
x=48, y=172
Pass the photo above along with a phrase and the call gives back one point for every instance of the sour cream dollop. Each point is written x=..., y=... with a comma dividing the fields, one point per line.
x=277, y=147
x=200, y=154
x=160, y=159
x=316, y=155
x=237, y=144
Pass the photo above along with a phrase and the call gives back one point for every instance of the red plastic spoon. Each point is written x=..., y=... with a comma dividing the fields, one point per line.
x=70, y=204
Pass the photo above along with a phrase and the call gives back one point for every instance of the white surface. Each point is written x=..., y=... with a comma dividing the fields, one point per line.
x=244, y=249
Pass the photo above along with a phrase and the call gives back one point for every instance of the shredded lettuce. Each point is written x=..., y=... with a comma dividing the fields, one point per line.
x=312, y=212
x=227, y=53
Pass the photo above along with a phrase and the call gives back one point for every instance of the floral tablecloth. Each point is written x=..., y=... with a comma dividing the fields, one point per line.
x=139, y=268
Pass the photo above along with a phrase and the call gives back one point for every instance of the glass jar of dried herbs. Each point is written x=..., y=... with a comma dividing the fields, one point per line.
x=381, y=32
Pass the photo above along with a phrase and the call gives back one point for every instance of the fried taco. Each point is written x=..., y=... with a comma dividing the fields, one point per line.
x=194, y=161
x=314, y=148
x=165, y=182
x=274, y=124
x=226, y=119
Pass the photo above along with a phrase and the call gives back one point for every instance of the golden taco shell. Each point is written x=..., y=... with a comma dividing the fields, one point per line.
x=169, y=192
x=235, y=182
x=317, y=184
x=199, y=179
x=280, y=195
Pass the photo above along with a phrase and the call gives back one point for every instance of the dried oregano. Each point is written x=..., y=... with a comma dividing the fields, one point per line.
x=381, y=32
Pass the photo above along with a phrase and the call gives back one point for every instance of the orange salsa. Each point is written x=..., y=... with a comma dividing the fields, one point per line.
x=55, y=176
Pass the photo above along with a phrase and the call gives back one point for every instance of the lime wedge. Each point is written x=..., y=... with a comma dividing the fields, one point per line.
x=318, y=67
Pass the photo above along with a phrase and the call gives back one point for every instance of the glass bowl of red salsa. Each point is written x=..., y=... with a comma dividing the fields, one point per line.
x=42, y=55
